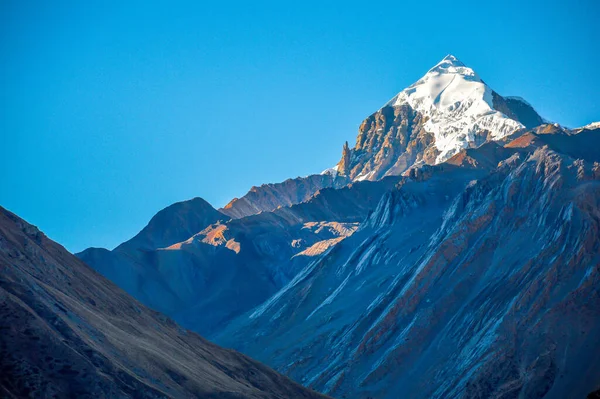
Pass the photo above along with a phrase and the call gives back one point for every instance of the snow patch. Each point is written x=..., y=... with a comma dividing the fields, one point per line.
x=362, y=177
x=330, y=171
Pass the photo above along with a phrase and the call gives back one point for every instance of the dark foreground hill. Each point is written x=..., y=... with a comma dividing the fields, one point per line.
x=66, y=331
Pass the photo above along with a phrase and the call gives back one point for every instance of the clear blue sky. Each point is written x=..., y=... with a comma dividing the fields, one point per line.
x=110, y=112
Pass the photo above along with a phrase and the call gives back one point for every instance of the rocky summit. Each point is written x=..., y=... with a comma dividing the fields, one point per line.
x=449, y=109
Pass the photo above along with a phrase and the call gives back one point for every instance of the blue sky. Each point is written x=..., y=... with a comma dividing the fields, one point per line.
x=110, y=112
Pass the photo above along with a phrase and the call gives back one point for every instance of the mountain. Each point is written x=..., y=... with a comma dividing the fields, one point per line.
x=140, y=265
x=66, y=331
x=447, y=110
x=470, y=279
x=173, y=224
x=269, y=197
x=173, y=268
x=452, y=252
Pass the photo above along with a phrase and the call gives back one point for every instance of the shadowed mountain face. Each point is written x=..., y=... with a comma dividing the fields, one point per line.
x=66, y=331
x=466, y=281
x=199, y=281
x=518, y=109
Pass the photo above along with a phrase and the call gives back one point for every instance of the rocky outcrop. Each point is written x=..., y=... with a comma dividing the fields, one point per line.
x=346, y=162
x=487, y=156
x=66, y=331
x=388, y=143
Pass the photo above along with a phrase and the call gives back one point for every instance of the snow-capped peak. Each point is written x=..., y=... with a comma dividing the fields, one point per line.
x=458, y=105
x=452, y=59
x=448, y=63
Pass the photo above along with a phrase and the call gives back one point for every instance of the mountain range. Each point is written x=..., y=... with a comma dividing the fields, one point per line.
x=453, y=251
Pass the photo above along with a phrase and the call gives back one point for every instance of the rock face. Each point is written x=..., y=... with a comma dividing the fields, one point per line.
x=466, y=281
x=517, y=109
x=269, y=197
x=447, y=110
x=66, y=331
x=389, y=142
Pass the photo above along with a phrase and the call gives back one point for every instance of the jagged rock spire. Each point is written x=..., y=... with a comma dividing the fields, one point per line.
x=345, y=162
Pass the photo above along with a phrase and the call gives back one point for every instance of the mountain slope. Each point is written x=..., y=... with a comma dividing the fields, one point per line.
x=466, y=281
x=140, y=265
x=450, y=108
x=66, y=331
